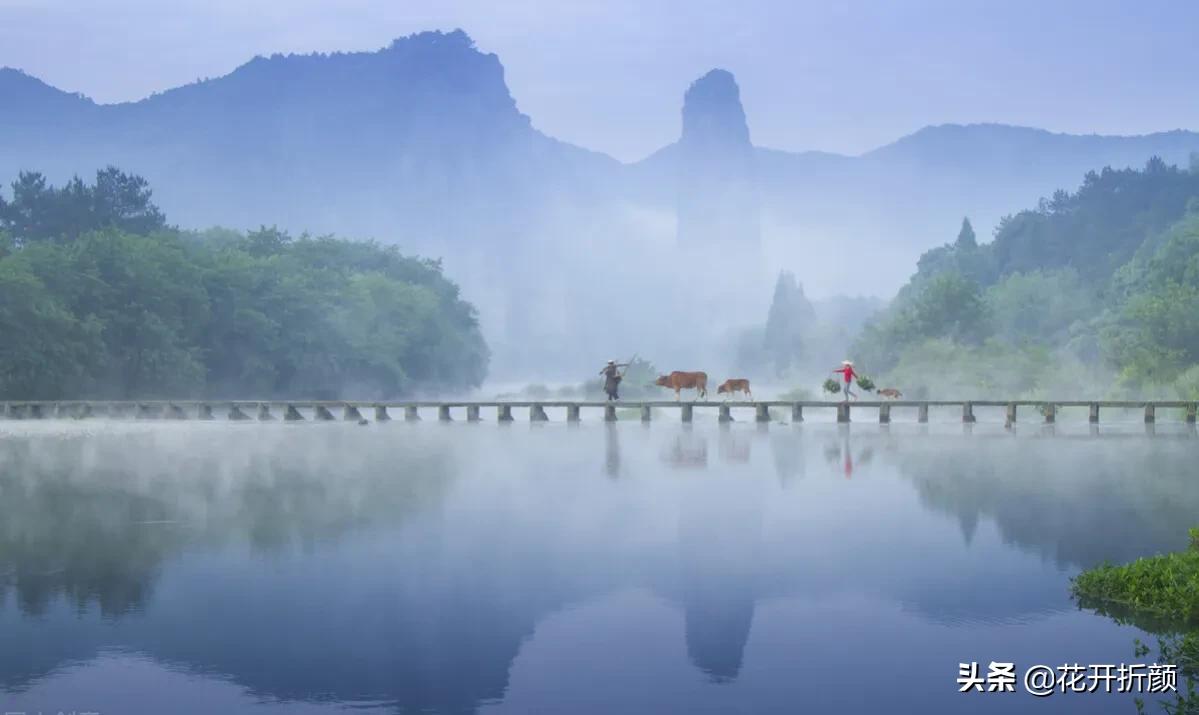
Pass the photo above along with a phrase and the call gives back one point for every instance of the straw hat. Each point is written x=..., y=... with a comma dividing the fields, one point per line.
x=846, y=362
x=611, y=362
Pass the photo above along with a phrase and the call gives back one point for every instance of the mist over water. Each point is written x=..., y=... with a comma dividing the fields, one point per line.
x=195, y=568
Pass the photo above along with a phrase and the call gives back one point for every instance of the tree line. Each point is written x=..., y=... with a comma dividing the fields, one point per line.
x=1095, y=287
x=101, y=298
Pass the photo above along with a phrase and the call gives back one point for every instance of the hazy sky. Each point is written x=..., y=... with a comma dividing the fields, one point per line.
x=835, y=75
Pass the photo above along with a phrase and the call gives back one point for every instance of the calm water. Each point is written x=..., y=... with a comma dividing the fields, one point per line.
x=227, y=568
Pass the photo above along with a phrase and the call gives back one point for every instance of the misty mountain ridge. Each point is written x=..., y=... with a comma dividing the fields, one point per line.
x=422, y=144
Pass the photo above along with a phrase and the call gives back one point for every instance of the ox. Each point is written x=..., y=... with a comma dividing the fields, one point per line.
x=735, y=385
x=685, y=381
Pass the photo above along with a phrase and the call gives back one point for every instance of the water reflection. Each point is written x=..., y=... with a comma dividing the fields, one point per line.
x=411, y=566
x=686, y=451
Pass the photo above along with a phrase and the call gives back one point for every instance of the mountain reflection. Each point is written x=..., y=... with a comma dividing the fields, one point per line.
x=316, y=563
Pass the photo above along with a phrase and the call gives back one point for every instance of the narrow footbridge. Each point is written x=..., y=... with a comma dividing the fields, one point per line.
x=765, y=411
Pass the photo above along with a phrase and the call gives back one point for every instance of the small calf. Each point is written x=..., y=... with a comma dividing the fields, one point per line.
x=735, y=385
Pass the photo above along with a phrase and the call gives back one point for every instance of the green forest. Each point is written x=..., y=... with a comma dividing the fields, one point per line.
x=1094, y=292
x=101, y=298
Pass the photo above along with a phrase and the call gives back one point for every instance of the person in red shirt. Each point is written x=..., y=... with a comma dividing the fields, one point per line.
x=847, y=371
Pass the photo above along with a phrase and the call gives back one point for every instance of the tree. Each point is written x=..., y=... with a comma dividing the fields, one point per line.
x=99, y=298
x=40, y=212
x=788, y=323
x=966, y=239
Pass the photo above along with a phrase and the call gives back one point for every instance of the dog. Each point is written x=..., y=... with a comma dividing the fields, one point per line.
x=890, y=393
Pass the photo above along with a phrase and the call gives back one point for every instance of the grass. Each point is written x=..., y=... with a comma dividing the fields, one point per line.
x=1165, y=586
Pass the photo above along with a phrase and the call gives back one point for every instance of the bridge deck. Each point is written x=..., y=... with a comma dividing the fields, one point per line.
x=294, y=410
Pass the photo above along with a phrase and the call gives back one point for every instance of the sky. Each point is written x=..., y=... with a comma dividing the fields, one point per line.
x=609, y=75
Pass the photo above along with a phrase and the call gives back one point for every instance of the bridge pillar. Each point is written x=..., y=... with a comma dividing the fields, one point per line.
x=236, y=414
x=264, y=412
x=443, y=414
x=1093, y=416
x=884, y=413
x=472, y=413
x=350, y=413
x=797, y=412
x=292, y=414
x=1050, y=412
x=205, y=411
x=609, y=413
x=647, y=413
x=3, y=410
x=761, y=413
x=1009, y=414
x=967, y=413
x=922, y=414
x=688, y=413
x=1150, y=413
x=175, y=412
x=572, y=413
x=411, y=414
x=61, y=411
x=843, y=412
x=1192, y=408
x=381, y=414
x=83, y=411
x=323, y=414
x=537, y=414
x=725, y=414
x=504, y=413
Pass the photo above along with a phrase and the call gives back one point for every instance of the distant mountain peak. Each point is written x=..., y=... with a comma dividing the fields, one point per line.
x=712, y=112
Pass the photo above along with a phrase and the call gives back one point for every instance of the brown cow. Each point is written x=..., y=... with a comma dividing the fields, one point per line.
x=890, y=393
x=685, y=381
x=734, y=385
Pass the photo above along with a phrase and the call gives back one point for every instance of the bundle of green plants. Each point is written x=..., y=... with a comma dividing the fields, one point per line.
x=865, y=383
x=832, y=386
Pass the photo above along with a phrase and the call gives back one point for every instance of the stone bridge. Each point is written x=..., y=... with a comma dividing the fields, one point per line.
x=358, y=411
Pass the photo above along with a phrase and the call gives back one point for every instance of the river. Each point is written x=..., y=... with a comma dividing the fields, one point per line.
x=551, y=568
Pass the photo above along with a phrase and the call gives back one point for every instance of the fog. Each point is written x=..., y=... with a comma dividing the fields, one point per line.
x=475, y=567
x=570, y=256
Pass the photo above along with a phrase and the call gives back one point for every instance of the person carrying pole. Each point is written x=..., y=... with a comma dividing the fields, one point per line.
x=612, y=377
x=847, y=371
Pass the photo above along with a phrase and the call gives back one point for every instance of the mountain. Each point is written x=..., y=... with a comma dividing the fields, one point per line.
x=563, y=249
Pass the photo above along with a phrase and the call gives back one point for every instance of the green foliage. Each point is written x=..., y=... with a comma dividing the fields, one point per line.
x=1039, y=307
x=831, y=386
x=1104, y=279
x=866, y=383
x=113, y=313
x=1154, y=335
x=947, y=306
x=1164, y=586
x=41, y=212
x=1160, y=594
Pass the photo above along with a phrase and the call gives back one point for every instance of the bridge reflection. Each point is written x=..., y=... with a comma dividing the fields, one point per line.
x=414, y=575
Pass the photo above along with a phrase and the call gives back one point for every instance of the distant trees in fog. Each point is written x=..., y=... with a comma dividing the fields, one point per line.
x=100, y=297
x=1092, y=290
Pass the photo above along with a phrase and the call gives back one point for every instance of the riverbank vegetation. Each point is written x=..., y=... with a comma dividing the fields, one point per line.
x=1091, y=292
x=1160, y=594
x=1165, y=586
x=101, y=298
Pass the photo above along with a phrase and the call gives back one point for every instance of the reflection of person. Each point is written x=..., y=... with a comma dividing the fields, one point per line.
x=612, y=378
x=611, y=451
x=847, y=371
